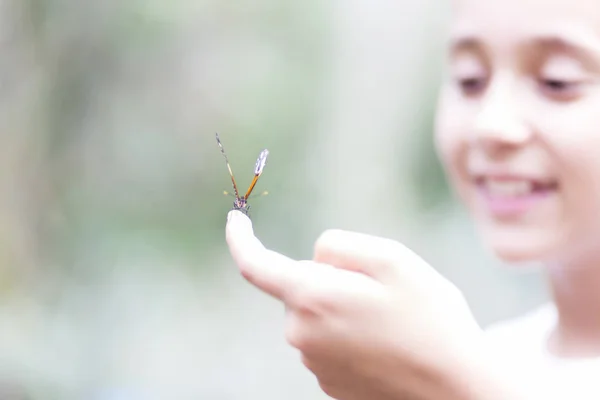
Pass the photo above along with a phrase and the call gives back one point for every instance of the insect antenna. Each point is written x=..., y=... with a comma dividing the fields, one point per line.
x=235, y=189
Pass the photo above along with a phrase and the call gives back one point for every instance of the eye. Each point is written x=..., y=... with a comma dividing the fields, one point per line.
x=472, y=86
x=559, y=89
x=470, y=74
x=562, y=78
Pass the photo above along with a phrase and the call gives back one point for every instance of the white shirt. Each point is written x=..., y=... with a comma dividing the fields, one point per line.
x=521, y=344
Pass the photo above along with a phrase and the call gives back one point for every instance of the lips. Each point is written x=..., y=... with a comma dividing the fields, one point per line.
x=511, y=196
x=514, y=187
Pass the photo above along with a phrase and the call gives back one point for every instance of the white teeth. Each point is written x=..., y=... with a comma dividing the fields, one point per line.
x=508, y=188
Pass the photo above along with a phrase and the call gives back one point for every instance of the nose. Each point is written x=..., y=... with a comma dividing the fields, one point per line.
x=500, y=124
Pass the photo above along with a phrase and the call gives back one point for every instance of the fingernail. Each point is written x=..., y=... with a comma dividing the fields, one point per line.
x=240, y=220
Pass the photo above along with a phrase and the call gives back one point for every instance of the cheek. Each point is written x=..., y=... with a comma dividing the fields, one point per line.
x=569, y=130
x=580, y=178
x=572, y=148
x=580, y=192
x=575, y=147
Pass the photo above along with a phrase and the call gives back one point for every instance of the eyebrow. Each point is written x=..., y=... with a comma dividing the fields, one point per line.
x=465, y=43
x=579, y=46
x=582, y=49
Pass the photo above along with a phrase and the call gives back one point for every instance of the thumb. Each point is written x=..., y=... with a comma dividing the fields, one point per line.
x=382, y=259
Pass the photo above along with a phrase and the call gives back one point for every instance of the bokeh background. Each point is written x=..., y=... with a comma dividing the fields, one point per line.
x=115, y=281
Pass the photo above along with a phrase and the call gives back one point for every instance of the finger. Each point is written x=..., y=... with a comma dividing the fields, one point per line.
x=272, y=272
x=382, y=259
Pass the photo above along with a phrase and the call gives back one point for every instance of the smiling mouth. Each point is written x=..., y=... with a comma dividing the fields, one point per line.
x=511, y=197
x=514, y=187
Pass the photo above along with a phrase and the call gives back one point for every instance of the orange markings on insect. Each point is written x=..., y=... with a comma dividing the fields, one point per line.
x=241, y=202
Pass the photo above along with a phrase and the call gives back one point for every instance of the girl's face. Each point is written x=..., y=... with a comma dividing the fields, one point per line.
x=518, y=124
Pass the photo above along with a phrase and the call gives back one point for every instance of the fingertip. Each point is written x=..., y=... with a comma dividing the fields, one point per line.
x=238, y=224
x=237, y=217
x=243, y=245
x=326, y=237
x=374, y=256
x=328, y=240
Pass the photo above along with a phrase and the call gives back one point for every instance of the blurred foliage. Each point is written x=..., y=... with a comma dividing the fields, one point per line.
x=431, y=186
x=115, y=117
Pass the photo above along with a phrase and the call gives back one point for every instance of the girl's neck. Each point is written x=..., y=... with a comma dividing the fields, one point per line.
x=575, y=289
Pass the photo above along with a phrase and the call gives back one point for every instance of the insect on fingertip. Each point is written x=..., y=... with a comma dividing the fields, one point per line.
x=240, y=202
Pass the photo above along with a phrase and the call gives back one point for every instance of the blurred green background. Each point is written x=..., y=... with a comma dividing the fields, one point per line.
x=115, y=281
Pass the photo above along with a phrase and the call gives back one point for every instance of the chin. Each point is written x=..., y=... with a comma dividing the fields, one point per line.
x=516, y=255
x=519, y=246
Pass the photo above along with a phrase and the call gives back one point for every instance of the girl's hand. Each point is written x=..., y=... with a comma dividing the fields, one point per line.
x=371, y=319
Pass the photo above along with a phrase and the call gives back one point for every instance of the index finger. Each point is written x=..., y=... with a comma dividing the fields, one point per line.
x=272, y=272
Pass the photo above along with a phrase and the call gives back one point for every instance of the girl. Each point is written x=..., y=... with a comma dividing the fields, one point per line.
x=518, y=124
